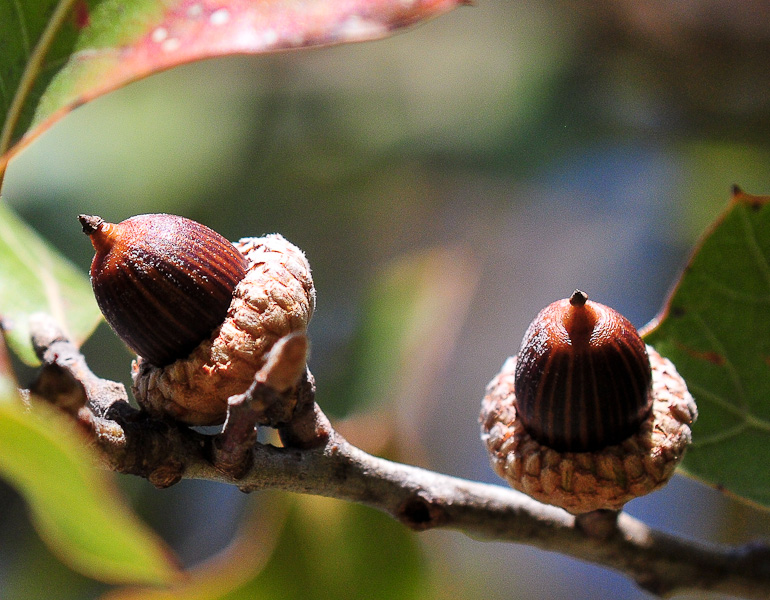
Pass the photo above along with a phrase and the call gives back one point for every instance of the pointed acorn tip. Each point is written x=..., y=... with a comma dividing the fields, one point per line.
x=578, y=298
x=90, y=223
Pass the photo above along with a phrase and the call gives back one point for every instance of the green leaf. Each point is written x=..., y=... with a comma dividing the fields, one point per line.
x=716, y=330
x=324, y=549
x=364, y=554
x=412, y=319
x=35, y=278
x=74, y=506
x=125, y=40
x=38, y=38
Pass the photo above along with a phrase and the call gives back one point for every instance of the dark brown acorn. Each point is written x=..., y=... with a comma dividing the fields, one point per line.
x=583, y=379
x=586, y=417
x=164, y=283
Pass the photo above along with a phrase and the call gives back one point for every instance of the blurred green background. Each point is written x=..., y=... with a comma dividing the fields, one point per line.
x=446, y=184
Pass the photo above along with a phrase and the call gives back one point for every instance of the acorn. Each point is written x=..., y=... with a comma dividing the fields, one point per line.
x=200, y=312
x=162, y=282
x=586, y=416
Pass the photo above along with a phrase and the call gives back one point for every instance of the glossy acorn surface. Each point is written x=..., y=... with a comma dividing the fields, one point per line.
x=574, y=421
x=583, y=378
x=274, y=299
x=164, y=283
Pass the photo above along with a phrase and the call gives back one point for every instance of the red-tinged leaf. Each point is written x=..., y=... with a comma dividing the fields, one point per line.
x=124, y=40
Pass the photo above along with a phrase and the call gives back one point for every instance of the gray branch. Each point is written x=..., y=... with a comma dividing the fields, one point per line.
x=316, y=460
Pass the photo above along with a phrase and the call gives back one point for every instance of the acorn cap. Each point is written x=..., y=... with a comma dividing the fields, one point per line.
x=275, y=298
x=606, y=478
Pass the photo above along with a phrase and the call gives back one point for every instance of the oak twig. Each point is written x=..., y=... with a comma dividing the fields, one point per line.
x=316, y=460
x=270, y=400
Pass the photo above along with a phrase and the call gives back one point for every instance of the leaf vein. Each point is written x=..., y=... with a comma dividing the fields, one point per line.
x=749, y=420
x=22, y=27
x=730, y=293
x=727, y=406
x=755, y=250
x=735, y=379
x=719, y=438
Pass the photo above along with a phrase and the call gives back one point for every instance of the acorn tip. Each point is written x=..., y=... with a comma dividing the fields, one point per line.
x=578, y=298
x=90, y=223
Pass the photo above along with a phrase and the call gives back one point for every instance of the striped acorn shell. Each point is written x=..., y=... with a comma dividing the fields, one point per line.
x=583, y=379
x=274, y=299
x=164, y=283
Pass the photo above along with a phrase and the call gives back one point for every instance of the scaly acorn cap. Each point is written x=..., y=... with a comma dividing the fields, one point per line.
x=603, y=476
x=276, y=297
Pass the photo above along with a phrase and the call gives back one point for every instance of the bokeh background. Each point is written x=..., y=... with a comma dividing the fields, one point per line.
x=446, y=184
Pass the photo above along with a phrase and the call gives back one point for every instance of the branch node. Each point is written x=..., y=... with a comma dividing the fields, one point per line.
x=309, y=428
x=421, y=512
x=271, y=400
x=167, y=474
x=286, y=363
x=57, y=386
x=44, y=333
x=599, y=525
